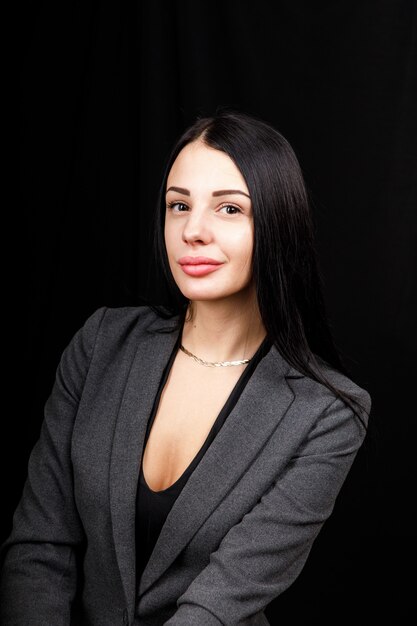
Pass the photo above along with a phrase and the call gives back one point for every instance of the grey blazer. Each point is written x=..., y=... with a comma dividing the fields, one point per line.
x=239, y=532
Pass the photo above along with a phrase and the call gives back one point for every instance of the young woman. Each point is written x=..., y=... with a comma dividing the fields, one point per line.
x=190, y=455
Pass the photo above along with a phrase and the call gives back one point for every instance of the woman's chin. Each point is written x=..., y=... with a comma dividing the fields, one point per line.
x=202, y=297
x=215, y=295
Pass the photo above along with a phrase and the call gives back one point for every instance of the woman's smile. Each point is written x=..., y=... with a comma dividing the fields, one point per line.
x=199, y=266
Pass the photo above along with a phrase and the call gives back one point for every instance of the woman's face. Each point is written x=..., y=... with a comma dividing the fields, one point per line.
x=208, y=225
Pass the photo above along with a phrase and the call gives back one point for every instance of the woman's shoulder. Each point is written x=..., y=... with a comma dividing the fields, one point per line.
x=347, y=385
x=118, y=323
x=314, y=389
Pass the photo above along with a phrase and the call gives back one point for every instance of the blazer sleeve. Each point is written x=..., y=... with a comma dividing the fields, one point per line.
x=263, y=554
x=39, y=573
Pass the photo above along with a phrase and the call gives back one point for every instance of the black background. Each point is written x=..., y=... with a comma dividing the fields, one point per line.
x=107, y=87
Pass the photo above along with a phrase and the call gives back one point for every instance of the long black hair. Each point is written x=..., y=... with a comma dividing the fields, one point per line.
x=285, y=267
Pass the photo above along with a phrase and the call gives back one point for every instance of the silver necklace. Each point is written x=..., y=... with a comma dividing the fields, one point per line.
x=215, y=363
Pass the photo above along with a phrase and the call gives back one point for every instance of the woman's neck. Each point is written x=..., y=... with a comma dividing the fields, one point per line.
x=224, y=330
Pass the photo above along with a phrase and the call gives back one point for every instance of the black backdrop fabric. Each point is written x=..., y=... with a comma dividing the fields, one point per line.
x=107, y=87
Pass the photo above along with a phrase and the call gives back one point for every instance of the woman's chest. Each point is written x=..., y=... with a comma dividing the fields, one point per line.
x=192, y=400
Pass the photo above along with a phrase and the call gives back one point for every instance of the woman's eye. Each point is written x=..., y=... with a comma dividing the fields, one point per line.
x=177, y=207
x=230, y=209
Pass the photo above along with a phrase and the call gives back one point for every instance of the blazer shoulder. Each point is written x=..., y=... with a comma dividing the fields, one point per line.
x=348, y=386
x=118, y=324
x=126, y=316
x=314, y=389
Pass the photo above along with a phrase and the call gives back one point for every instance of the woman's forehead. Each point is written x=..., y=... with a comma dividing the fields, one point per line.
x=198, y=165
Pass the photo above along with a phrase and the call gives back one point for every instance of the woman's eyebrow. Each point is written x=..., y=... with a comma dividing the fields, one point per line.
x=220, y=192
x=228, y=192
x=185, y=192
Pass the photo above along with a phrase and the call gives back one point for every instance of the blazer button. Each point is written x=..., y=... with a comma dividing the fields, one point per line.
x=125, y=618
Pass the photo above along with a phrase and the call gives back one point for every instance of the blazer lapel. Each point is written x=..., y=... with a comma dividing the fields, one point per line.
x=264, y=401
x=152, y=354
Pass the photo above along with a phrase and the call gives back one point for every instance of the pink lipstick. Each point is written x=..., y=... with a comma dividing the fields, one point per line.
x=198, y=265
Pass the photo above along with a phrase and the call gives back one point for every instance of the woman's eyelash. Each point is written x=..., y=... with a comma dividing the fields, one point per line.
x=232, y=206
x=172, y=204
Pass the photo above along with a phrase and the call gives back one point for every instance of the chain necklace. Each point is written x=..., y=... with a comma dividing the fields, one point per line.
x=215, y=363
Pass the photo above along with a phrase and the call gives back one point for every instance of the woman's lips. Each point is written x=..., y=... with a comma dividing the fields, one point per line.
x=198, y=266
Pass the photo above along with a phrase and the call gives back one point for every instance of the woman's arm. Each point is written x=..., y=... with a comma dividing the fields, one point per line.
x=39, y=573
x=263, y=554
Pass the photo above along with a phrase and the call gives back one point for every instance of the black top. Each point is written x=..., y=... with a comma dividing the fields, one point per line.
x=152, y=507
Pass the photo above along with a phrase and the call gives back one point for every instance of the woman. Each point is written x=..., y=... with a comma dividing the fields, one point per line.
x=190, y=455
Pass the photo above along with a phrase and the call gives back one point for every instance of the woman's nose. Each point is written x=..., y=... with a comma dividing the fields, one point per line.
x=196, y=228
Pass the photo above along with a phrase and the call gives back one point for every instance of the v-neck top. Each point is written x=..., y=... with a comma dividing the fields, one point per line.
x=152, y=507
